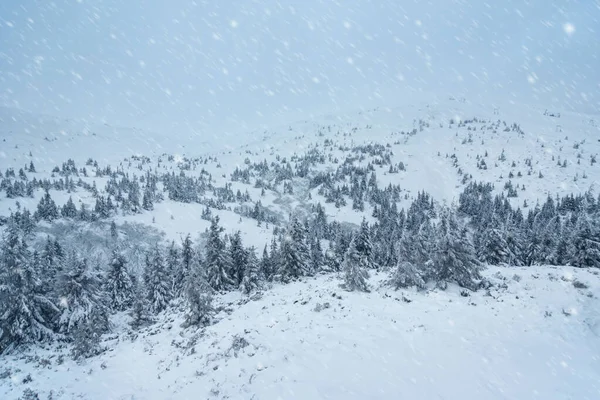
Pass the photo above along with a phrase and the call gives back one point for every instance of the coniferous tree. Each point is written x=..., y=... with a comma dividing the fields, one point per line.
x=363, y=243
x=316, y=256
x=140, y=314
x=239, y=259
x=87, y=337
x=217, y=261
x=251, y=280
x=586, y=243
x=26, y=314
x=187, y=256
x=46, y=209
x=175, y=269
x=198, y=296
x=118, y=284
x=80, y=296
x=294, y=253
x=454, y=259
x=157, y=281
x=492, y=246
x=114, y=233
x=69, y=210
x=147, y=200
x=355, y=267
x=267, y=269
x=406, y=275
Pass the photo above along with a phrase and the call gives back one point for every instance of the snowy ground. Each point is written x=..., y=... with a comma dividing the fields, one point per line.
x=535, y=335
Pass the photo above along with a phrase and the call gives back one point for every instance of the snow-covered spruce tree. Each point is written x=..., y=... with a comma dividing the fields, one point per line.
x=157, y=280
x=198, y=296
x=406, y=275
x=26, y=314
x=363, y=243
x=267, y=269
x=354, y=268
x=114, y=233
x=317, y=258
x=492, y=246
x=80, y=295
x=294, y=253
x=586, y=243
x=239, y=259
x=454, y=257
x=69, y=210
x=46, y=209
x=87, y=337
x=118, y=285
x=147, y=199
x=217, y=261
x=251, y=279
x=140, y=314
x=174, y=269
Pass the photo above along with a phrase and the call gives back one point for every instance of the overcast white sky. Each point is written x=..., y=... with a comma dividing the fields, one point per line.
x=235, y=64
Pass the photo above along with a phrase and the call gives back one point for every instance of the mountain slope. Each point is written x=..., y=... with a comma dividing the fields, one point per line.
x=534, y=335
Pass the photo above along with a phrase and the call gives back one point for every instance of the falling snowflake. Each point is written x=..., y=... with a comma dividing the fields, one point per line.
x=569, y=28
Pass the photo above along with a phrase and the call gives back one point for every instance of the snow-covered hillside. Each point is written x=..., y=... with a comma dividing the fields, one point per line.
x=534, y=335
x=310, y=199
x=443, y=145
x=533, y=332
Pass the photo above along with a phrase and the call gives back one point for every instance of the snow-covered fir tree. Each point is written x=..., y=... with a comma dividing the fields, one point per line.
x=26, y=314
x=46, y=209
x=175, y=268
x=586, y=243
x=239, y=259
x=87, y=337
x=69, y=210
x=354, y=268
x=406, y=275
x=140, y=310
x=316, y=256
x=198, y=296
x=454, y=256
x=294, y=253
x=251, y=279
x=157, y=281
x=217, y=262
x=363, y=243
x=79, y=294
x=118, y=284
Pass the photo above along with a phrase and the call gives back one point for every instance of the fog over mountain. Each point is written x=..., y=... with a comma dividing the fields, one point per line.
x=205, y=66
